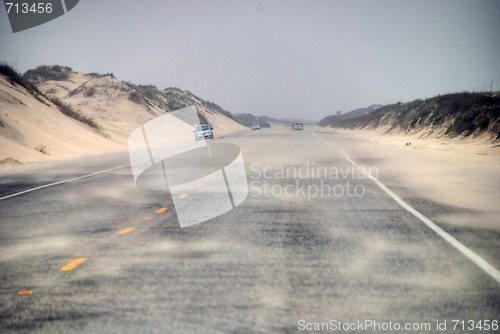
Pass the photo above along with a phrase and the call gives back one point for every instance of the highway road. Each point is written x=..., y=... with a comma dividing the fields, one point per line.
x=317, y=246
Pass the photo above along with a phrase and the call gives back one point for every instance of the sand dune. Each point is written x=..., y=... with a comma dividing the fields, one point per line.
x=35, y=131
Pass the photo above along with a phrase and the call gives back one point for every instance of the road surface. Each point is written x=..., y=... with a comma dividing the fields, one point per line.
x=316, y=243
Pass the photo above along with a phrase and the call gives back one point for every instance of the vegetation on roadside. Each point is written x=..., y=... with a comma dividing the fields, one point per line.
x=47, y=72
x=168, y=99
x=178, y=99
x=14, y=77
x=141, y=95
x=171, y=99
x=68, y=110
x=329, y=120
x=217, y=108
x=42, y=149
x=89, y=92
x=135, y=97
x=460, y=114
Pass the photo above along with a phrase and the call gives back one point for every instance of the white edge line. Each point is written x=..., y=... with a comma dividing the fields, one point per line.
x=479, y=261
x=61, y=182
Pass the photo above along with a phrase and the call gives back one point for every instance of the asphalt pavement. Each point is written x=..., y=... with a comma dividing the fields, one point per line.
x=317, y=246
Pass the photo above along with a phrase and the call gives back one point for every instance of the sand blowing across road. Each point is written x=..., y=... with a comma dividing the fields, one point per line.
x=463, y=174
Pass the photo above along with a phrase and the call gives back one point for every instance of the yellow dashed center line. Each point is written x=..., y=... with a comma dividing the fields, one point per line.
x=183, y=195
x=73, y=264
x=199, y=184
x=25, y=292
x=126, y=230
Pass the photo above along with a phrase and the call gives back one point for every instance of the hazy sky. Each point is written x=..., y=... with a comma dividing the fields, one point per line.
x=278, y=58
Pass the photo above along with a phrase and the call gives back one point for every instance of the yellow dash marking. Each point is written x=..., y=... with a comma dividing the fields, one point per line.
x=126, y=230
x=199, y=184
x=73, y=264
x=161, y=210
x=183, y=195
x=148, y=218
x=25, y=292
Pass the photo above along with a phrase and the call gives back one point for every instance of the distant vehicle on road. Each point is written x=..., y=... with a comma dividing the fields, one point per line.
x=204, y=131
x=297, y=126
x=255, y=126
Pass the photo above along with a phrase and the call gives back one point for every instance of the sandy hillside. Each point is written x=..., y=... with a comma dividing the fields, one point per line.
x=108, y=101
x=105, y=99
x=34, y=131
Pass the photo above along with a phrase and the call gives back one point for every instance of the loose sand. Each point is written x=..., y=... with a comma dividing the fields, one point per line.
x=460, y=173
x=33, y=132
